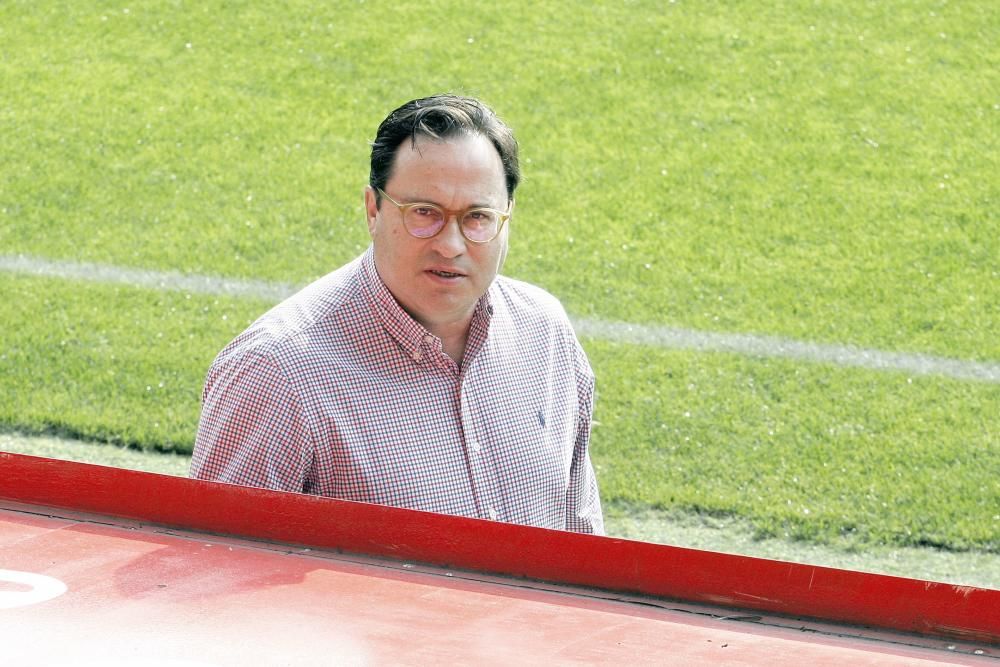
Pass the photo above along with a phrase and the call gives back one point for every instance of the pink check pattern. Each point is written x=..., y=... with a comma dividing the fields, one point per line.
x=339, y=392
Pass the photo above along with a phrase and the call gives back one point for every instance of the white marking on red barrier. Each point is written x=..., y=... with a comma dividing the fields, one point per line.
x=41, y=588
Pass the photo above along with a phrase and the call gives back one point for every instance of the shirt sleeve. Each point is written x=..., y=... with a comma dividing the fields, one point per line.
x=583, y=500
x=252, y=430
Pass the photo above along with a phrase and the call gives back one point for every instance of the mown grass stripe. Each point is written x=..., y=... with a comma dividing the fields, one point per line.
x=624, y=332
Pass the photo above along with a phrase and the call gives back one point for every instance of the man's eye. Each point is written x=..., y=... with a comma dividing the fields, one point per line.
x=425, y=211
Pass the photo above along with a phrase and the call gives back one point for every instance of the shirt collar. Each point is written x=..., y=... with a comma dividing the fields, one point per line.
x=410, y=334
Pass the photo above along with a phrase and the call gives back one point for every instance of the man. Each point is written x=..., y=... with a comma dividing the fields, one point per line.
x=415, y=376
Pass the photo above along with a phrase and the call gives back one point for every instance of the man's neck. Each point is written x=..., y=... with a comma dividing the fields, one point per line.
x=453, y=335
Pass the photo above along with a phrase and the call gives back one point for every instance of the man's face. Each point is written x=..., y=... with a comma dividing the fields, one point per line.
x=439, y=280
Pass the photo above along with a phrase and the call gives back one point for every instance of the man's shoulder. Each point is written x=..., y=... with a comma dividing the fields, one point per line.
x=315, y=311
x=535, y=321
x=525, y=301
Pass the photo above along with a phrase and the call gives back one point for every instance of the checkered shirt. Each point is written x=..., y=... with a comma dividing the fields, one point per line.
x=337, y=391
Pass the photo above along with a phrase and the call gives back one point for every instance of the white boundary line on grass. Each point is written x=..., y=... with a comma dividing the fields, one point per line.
x=159, y=280
x=755, y=345
x=654, y=335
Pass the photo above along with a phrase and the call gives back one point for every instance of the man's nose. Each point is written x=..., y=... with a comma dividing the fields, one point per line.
x=449, y=242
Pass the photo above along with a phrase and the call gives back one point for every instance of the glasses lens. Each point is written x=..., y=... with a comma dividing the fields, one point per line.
x=480, y=224
x=424, y=221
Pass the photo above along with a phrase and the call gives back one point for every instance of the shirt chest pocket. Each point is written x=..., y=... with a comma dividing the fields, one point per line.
x=532, y=448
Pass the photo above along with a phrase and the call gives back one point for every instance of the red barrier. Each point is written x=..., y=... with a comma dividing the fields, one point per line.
x=611, y=564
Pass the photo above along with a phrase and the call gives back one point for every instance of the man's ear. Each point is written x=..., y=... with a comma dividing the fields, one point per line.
x=371, y=209
x=506, y=238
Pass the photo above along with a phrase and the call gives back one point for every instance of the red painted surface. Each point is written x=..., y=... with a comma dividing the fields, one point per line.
x=137, y=596
x=665, y=572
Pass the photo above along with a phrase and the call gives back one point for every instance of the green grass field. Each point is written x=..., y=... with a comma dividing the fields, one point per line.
x=820, y=172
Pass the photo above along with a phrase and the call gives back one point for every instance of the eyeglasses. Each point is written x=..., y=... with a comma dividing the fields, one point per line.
x=423, y=220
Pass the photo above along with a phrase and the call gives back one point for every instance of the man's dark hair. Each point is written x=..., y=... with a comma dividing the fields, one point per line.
x=440, y=117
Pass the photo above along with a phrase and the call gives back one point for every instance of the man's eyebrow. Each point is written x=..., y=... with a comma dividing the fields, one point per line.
x=425, y=200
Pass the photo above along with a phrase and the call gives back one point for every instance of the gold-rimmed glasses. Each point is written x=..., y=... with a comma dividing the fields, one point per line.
x=423, y=220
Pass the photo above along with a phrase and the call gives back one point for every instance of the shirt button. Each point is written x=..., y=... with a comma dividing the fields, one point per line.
x=429, y=340
x=418, y=355
x=475, y=446
x=494, y=515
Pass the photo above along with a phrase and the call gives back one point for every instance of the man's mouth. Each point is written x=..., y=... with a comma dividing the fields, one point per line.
x=445, y=274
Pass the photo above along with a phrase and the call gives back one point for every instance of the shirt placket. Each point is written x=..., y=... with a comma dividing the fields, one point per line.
x=481, y=477
x=475, y=441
